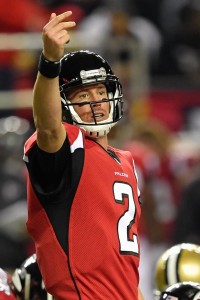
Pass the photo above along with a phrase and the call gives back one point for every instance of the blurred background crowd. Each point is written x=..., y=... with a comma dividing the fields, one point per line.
x=154, y=48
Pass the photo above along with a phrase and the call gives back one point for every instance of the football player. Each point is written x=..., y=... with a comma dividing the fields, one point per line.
x=179, y=263
x=27, y=283
x=83, y=196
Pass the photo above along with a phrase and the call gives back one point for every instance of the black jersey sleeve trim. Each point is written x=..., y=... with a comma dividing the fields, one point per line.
x=46, y=169
x=57, y=202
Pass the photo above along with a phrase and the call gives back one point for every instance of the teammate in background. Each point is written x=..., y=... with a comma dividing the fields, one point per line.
x=6, y=292
x=180, y=263
x=27, y=283
x=182, y=291
x=83, y=197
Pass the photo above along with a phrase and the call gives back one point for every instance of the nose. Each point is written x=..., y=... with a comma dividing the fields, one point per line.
x=95, y=97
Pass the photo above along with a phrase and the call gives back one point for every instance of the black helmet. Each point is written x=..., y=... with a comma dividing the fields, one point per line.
x=80, y=68
x=27, y=281
x=187, y=290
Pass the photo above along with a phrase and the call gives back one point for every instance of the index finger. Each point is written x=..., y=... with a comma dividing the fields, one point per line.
x=59, y=18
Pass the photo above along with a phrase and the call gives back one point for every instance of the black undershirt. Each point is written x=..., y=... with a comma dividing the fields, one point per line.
x=49, y=168
x=55, y=177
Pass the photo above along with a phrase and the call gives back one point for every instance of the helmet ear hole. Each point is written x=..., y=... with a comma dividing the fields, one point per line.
x=116, y=112
x=66, y=116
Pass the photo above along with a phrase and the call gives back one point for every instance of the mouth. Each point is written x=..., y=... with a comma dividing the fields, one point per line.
x=97, y=116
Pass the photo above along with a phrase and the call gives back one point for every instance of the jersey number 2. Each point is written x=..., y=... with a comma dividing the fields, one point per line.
x=127, y=245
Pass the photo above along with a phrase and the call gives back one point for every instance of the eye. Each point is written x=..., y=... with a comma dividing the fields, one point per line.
x=83, y=96
x=102, y=92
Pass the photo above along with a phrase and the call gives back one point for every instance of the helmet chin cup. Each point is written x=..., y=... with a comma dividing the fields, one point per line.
x=98, y=131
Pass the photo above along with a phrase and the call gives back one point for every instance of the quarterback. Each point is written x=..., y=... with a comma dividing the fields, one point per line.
x=83, y=215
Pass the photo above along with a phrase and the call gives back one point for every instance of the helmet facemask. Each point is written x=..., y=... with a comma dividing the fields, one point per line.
x=90, y=77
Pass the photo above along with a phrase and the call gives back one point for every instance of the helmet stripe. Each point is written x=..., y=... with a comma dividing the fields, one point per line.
x=172, y=268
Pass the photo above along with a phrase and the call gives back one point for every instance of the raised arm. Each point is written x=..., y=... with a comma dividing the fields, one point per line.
x=46, y=96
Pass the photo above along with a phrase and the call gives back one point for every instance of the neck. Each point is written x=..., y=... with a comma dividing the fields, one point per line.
x=103, y=141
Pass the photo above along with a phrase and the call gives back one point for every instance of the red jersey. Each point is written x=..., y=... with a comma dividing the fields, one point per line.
x=102, y=257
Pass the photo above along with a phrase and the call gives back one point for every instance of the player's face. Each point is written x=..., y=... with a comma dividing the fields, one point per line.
x=94, y=93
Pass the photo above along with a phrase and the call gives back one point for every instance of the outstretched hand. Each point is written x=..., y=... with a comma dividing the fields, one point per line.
x=55, y=35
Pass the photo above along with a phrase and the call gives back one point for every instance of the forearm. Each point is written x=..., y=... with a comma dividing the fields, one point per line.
x=46, y=103
x=47, y=110
x=47, y=113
